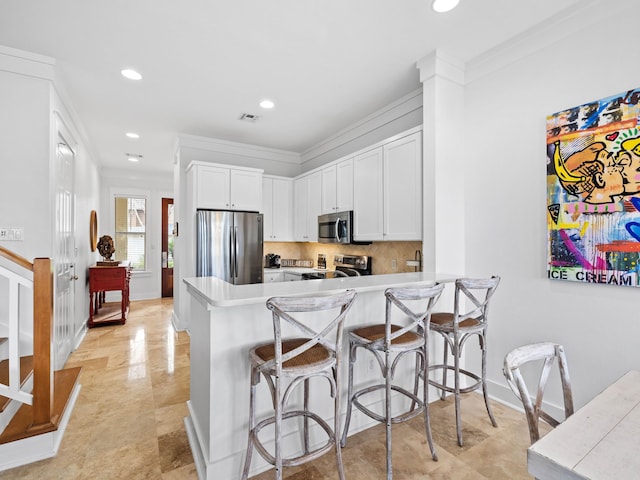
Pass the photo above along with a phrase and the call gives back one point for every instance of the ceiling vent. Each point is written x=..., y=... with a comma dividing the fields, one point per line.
x=248, y=117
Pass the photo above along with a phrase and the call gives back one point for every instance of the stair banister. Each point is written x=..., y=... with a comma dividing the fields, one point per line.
x=42, y=394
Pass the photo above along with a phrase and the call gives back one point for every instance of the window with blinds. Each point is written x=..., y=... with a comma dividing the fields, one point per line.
x=130, y=228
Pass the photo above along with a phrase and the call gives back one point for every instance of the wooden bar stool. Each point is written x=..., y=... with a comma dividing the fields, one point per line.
x=389, y=343
x=470, y=315
x=544, y=355
x=288, y=363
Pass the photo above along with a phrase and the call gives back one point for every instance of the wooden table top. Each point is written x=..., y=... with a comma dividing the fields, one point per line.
x=599, y=441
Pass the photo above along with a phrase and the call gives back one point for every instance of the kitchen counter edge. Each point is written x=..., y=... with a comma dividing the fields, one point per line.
x=218, y=293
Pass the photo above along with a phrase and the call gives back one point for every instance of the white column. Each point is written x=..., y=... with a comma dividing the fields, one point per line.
x=444, y=125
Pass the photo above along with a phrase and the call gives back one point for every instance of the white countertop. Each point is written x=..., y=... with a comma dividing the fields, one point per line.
x=219, y=293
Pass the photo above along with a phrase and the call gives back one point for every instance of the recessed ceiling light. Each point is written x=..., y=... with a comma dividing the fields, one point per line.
x=131, y=74
x=267, y=104
x=133, y=157
x=442, y=6
x=132, y=135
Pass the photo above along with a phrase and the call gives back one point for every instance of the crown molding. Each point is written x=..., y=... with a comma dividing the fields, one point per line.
x=587, y=14
x=145, y=176
x=438, y=63
x=27, y=63
x=235, y=148
x=387, y=114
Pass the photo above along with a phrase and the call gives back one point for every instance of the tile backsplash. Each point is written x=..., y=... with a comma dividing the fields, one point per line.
x=382, y=253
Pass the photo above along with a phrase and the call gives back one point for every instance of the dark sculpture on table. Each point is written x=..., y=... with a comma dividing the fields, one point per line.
x=106, y=249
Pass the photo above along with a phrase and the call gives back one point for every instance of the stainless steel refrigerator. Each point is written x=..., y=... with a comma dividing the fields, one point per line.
x=229, y=246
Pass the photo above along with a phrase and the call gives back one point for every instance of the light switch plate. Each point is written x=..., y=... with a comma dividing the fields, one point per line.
x=17, y=234
x=11, y=234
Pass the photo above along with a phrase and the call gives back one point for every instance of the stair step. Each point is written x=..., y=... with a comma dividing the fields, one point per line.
x=64, y=382
x=26, y=367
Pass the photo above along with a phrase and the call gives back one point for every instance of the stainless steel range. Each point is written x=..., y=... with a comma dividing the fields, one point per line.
x=345, y=266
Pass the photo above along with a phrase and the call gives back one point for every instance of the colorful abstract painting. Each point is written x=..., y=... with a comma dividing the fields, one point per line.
x=593, y=191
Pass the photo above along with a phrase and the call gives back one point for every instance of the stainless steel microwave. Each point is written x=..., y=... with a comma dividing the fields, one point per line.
x=336, y=228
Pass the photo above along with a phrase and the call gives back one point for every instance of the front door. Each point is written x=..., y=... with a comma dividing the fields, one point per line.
x=64, y=253
x=167, y=247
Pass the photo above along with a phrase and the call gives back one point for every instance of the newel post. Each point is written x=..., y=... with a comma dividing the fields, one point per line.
x=42, y=340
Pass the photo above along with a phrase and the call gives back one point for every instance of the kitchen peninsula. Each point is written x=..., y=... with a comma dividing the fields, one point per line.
x=226, y=321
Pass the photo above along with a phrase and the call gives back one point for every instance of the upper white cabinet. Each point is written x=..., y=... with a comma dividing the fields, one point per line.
x=223, y=188
x=329, y=189
x=387, y=191
x=277, y=203
x=337, y=187
x=307, y=191
x=367, y=196
x=403, y=188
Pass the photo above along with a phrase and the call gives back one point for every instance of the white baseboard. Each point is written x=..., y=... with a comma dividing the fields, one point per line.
x=175, y=321
x=501, y=393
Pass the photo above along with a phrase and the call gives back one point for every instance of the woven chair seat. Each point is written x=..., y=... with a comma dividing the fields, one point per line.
x=316, y=355
x=376, y=332
x=445, y=319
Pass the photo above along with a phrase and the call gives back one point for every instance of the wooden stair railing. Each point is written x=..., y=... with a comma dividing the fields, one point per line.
x=42, y=403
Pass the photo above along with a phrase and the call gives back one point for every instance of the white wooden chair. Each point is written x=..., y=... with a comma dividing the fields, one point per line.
x=389, y=342
x=470, y=317
x=546, y=353
x=289, y=363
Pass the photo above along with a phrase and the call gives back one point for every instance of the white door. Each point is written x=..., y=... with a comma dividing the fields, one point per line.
x=64, y=253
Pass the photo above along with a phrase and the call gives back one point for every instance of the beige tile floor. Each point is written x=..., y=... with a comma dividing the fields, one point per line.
x=128, y=420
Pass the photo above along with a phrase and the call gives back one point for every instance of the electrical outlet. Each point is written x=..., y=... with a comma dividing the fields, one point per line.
x=394, y=264
x=4, y=233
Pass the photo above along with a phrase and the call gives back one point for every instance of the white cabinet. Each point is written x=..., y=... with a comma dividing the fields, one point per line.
x=403, y=188
x=271, y=276
x=329, y=189
x=277, y=203
x=367, y=196
x=337, y=187
x=307, y=191
x=246, y=190
x=223, y=188
x=388, y=191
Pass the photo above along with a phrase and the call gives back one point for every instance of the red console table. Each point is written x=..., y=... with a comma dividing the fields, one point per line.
x=104, y=279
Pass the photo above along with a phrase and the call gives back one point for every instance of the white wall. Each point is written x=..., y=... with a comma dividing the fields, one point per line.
x=509, y=93
x=147, y=284
x=24, y=160
x=87, y=186
x=32, y=108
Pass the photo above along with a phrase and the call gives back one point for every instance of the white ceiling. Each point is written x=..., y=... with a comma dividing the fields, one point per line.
x=326, y=63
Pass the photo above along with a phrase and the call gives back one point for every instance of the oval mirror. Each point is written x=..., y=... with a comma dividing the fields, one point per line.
x=93, y=230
